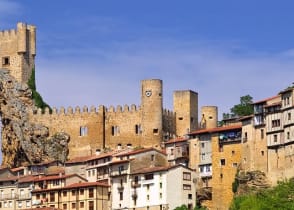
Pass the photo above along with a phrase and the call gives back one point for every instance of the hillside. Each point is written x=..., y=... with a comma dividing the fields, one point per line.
x=278, y=197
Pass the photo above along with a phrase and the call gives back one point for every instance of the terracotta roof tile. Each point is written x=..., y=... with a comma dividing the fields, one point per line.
x=217, y=129
x=171, y=141
x=265, y=100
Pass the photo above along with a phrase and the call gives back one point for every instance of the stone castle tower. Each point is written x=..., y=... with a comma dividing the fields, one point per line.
x=18, y=51
x=98, y=128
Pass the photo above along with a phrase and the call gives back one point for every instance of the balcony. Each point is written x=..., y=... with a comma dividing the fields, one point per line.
x=134, y=195
x=8, y=196
x=118, y=173
x=136, y=185
x=120, y=188
x=230, y=137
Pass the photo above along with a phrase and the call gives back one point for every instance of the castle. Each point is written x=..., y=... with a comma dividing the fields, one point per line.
x=98, y=128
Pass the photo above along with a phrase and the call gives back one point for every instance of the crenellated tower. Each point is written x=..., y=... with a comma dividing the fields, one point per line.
x=18, y=51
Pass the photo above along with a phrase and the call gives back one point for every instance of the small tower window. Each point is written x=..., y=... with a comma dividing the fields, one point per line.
x=5, y=61
x=83, y=131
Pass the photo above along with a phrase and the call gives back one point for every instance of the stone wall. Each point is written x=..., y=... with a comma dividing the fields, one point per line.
x=18, y=50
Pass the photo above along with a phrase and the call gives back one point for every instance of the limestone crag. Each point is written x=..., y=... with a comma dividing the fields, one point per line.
x=25, y=142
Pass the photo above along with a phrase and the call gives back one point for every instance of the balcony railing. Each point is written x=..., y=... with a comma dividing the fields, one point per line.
x=135, y=184
x=117, y=173
x=10, y=196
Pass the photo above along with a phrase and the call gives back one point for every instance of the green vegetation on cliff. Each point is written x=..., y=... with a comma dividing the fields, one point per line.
x=35, y=95
x=279, y=197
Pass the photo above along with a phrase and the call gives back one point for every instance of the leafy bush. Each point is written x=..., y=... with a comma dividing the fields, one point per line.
x=279, y=197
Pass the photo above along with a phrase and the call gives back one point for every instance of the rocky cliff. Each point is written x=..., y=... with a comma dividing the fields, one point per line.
x=24, y=142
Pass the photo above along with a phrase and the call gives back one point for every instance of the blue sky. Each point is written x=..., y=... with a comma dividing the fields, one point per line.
x=96, y=52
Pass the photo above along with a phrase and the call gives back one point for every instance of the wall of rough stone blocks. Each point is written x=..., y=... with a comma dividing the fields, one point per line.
x=223, y=176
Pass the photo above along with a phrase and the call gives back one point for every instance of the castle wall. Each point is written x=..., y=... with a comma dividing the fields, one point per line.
x=85, y=128
x=18, y=50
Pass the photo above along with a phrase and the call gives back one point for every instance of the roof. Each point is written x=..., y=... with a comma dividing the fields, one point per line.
x=172, y=141
x=43, y=208
x=157, y=169
x=12, y=178
x=138, y=151
x=76, y=185
x=83, y=159
x=120, y=161
x=37, y=178
x=265, y=100
x=274, y=104
x=217, y=129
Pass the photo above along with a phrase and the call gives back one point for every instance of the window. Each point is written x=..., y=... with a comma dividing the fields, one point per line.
x=223, y=162
x=5, y=61
x=221, y=149
x=233, y=152
x=202, y=145
x=160, y=185
x=275, y=138
x=73, y=192
x=155, y=131
x=147, y=187
x=28, y=203
x=138, y=129
x=81, y=191
x=262, y=134
x=91, y=193
x=289, y=116
x=91, y=205
x=19, y=204
x=152, y=158
x=114, y=130
x=186, y=176
x=38, y=196
x=160, y=195
x=288, y=135
x=172, y=151
x=89, y=173
x=10, y=204
x=121, y=196
x=120, y=169
x=83, y=131
x=55, y=182
x=203, y=156
x=73, y=205
x=148, y=197
x=262, y=153
x=275, y=123
x=82, y=204
x=148, y=176
x=190, y=196
x=64, y=206
x=186, y=187
x=180, y=118
x=221, y=175
x=235, y=165
x=52, y=197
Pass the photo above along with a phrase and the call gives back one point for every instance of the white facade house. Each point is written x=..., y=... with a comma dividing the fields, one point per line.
x=155, y=188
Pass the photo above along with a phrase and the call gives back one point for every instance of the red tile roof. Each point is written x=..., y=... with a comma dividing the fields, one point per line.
x=138, y=151
x=217, y=129
x=43, y=208
x=265, y=100
x=37, y=178
x=172, y=141
x=157, y=169
x=75, y=185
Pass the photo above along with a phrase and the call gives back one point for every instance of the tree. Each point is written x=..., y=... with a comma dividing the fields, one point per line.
x=244, y=108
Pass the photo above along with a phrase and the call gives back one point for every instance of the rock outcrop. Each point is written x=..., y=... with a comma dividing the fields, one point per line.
x=251, y=181
x=24, y=142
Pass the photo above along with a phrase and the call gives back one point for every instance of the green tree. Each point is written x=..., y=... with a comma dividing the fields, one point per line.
x=244, y=108
x=182, y=207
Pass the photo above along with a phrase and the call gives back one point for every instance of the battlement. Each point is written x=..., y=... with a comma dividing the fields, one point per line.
x=85, y=110
x=168, y=113
x=8, y=34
